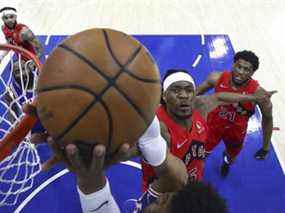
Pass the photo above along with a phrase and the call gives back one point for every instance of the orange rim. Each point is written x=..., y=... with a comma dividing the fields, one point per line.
x=17, y=135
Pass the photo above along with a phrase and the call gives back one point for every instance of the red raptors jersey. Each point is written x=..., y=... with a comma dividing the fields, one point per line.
x=237, y=113
x=184, y=144
x=13, y=37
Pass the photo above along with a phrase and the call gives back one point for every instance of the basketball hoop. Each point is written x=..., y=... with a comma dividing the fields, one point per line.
x=19, y=160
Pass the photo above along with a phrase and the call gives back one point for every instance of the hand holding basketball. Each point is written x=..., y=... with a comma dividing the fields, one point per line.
x=99, y=86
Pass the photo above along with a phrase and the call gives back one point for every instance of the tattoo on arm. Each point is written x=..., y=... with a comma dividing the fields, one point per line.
x=28, y=36
x=204, y=104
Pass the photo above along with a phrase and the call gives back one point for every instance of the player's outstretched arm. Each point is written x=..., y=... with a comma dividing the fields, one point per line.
x=207, y=103
x=230, y=97
x=93, y=187
x=28, y=36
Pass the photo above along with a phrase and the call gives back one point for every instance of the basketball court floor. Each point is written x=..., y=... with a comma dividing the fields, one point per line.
x=201, y=37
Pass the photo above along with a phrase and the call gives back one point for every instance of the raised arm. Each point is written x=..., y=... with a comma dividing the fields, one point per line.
x=209, y=83
x=207, y=103
x=28, y=36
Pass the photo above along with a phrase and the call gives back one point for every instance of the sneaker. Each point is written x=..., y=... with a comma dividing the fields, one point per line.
x=225, y=168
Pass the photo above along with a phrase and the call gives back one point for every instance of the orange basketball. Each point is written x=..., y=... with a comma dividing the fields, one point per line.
x=98, y=86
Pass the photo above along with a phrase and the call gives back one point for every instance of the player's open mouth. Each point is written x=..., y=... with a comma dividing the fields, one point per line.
x=238, y=78
x=184, y=106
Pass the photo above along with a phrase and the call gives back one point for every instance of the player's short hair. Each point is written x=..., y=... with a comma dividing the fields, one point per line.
x=248, y=56
x=198, y=197
x=8, y=8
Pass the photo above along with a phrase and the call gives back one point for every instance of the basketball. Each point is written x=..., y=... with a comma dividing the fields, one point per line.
x=98, y=86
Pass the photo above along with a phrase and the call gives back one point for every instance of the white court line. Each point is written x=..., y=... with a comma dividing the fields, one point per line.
x=278, y=153
x=47, y=40
x=40, y=188
x=202, y=39
x=133, y=164
x=53, y=178
x=197, y=60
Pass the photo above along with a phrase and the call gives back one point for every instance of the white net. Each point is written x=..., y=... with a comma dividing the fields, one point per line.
x=18, y=75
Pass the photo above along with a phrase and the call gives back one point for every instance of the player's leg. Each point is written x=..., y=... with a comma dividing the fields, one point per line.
x=8, y=100
x=233, y=141
x=213, y=139
x=23, y=74
x=22, y=81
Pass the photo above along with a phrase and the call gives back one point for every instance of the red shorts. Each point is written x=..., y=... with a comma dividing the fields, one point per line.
x=232, y=135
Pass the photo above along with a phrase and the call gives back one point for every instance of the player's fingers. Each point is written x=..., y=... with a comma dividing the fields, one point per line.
x=73, y=156
x=121, y=155
x=59, y=153
x=270, y=93
x=55, y=147
x=98, y=158
x=50, y=163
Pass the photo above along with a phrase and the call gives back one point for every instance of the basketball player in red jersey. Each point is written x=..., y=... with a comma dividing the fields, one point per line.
x=179, y=91
x=19, y=35
x=183, y=121
x=229, y=122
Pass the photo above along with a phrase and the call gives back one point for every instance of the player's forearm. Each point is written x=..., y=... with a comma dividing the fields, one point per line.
x=234, y=97
x=204, y=87
x=209, y=83
x=39, y=50
x=88, y=185
x=267, y=126
x=37, y=46
x=172, y=175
